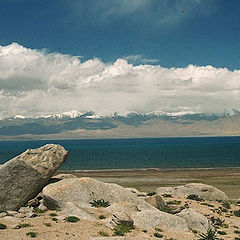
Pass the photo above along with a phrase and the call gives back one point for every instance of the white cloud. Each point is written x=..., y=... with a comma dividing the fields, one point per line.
x=138, y=59
x=34, y=82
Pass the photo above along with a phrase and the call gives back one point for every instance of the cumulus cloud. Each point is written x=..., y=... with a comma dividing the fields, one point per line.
x=35, y=82
x=138, y=59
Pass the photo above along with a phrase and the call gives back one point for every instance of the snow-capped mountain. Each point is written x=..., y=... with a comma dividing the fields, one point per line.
x=90, y=124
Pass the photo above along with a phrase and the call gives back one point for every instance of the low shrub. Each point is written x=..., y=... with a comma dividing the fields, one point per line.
x=121, y=229
x=157, y=235
x=151, y=194
x=103, y=234
x=72, y=219
x=210, y=235
x=2, y=226
x=101, y=217
x=237, y=213
x=31, y=234
x=194, y=197
x=100, y=203
x=222, y=232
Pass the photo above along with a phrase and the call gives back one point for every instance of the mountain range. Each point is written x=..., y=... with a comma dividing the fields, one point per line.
x=74, y=124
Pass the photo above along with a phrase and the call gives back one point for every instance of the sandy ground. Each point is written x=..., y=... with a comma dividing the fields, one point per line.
x=144, y=180
x=147, y=180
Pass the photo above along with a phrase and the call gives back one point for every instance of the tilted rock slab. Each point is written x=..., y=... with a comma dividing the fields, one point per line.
x=24, y=176
x=203, y=191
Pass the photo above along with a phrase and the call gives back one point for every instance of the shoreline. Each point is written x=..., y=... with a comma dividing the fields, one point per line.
x=147, y=180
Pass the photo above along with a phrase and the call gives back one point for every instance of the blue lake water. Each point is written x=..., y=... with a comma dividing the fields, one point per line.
x=199, y=152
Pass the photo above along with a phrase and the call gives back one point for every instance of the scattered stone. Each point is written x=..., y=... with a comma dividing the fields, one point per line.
x=24, y=176
x=203, y=191
x=42, y=207
x=11, y=219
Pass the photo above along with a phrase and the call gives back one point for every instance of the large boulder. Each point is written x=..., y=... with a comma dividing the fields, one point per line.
x=24, y=176
x=203, y=191
x=195, y=220
x=84, y=190
x=124, y=205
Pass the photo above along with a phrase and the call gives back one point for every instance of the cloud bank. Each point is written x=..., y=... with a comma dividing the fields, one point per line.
x=35, y=82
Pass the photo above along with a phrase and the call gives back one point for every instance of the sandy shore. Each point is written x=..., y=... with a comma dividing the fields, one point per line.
x=226, y=179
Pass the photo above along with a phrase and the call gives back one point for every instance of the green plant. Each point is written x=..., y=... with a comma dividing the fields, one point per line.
x=157, y=235
x=145, y=231
x=210, y=235
x=2, y=226
x=226, y=205
x=24, y=225
x=121, y=229
x=100, y=203
x=37, y=210
x=158, y=229
x=151, y=193
x=237, y=231
x=101, y=217
x=103, y=234
x=237, y=238
x=194, y=197
x=167, y=195
x=195, y=231
x=54, y=219
x=174, y=202
x=52, y=214
x=207, y=204
x=220, y=232
x=48, y=224
x=237, y=213
x=32, y=234
x=72, y=219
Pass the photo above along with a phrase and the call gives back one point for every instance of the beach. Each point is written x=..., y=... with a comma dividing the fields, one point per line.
x=147, y=180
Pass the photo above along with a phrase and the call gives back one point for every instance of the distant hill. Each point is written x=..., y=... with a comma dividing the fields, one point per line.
x=90, y=125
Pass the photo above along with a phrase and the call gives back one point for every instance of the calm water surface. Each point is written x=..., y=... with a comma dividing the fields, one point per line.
x=138, y=153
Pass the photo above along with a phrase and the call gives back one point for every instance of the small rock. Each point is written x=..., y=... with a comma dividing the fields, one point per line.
x=42, y=207
x=33, y=202
x=16, y=226
x=20, y=215
x=12, y=213
x=11, y=219
x=121, y=218
x=3, y=214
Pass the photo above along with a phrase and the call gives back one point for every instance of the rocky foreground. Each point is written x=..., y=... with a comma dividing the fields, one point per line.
x=36, y=204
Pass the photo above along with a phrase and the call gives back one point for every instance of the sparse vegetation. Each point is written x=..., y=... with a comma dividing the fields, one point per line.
x=24, y=225
x=158, y=229
x=207, y=204
x=121, y=229
x=151, y=193
x=52, y=214
x=195, y=231
x=158, y=235
x=210, y=235
x=37, y=210
x=167, y=195
x=48, y=224
x=226, y=205
x=144, y=230
x=101, y=217
x=2, y=226
x=194, y=197
x=31, y=234
x=100, y=203
x=54, y=219
x=237, y=213
x=103, y=234
x=174, y=202
x=237, y=231
x=72, y=219
x=220, y=232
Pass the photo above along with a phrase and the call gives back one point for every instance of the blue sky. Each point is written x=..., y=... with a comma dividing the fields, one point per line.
x=176, y=33
x=119, y=56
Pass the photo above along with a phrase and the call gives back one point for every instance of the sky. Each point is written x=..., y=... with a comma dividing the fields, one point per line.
x=119, y=56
